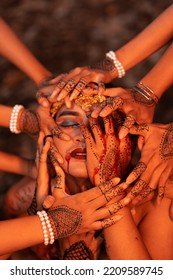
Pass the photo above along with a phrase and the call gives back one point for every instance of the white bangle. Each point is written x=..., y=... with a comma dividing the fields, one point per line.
x=13, y=119
x=117, y=64
x=46, y=227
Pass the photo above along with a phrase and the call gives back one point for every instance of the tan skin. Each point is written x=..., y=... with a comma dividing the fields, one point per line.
x=149, y=218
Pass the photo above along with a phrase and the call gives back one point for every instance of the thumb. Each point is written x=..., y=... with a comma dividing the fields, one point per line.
x=138, y=129
x=48, y=202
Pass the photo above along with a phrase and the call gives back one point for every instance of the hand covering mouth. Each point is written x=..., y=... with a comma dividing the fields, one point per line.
x=78, y=153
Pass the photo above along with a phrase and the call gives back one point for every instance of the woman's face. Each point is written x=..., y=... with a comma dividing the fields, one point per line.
x=72, y=151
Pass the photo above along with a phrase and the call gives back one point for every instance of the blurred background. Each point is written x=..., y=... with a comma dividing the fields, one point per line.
x=64, y=34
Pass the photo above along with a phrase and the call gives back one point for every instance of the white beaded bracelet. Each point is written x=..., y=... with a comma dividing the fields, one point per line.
x=117, y=64
x=51, y=234
x=46, y=227
x=13, y=119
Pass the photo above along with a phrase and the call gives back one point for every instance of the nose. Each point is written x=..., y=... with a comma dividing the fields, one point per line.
x=79, y=137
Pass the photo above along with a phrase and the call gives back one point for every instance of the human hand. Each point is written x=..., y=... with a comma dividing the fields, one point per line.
x=83, y=246
x=107, y=157
x=76, y=80
x=136, y=107
x=155, y=164
x=169, y=193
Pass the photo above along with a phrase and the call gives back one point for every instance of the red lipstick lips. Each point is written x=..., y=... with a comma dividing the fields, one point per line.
x=78, y=153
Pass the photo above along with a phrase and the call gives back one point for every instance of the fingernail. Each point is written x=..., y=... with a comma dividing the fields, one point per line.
x=45, y=104
x=126, y=200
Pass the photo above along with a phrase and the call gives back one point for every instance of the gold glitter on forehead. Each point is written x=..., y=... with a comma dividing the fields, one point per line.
x=82, y=100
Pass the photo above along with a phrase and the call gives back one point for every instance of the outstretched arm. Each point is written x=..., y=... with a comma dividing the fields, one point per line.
x=12, y=48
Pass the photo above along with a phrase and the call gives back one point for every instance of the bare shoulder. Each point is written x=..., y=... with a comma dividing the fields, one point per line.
x=156, y=229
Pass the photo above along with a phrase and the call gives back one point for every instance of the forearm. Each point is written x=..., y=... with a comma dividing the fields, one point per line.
x=153, y=37
x=16, y=52
x=123, y=240
x=20, y=165
x=20, y=233
x=160, y=77
x=27, y=120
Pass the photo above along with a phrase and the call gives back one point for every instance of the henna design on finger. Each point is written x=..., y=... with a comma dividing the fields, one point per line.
x=114, y=102
x=139, y=169
x=105, y=187
x=56, y=132
x=65, y=221
x=145, y=192
x=58, y=182
x=113, y=209
x=138, y=187
x=70, y=85
x=81, y=85
x=129, y=121
x=166, y=144
x=61, y=84
x=161, y=192
x=107, y=223
x=113, y=193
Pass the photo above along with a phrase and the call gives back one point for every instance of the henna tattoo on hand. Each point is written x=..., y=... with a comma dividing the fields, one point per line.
x=29, y=123
x=166, y=145
x=65, y=221
x=78, y=251
x=105, y=65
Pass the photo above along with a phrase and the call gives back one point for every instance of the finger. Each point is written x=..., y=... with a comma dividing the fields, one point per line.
x=140, y=142
x=48, y=202
x=111, y=221
x=135, y=191
x=96, y=130
x=41, y=99
x=57, y=132
x=112, y=105
x=136, y=172
x=59, y=86
x=59, y=187
x=163, y=180
x=102, y=224
x=54, y=155
x=78, y=88
x=97, y=109
x=67, y=89
x=68, y=103
x=87, y=136
x=125, y=129
x=43, y=176
x=139, y=129
x=146, y=194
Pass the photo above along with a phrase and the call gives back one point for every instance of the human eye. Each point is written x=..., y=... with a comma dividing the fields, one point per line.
x=68, y=123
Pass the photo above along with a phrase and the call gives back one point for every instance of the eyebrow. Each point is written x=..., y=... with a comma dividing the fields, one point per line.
x=69, y=113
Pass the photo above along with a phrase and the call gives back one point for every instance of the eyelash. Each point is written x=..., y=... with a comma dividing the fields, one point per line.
x=67, y=124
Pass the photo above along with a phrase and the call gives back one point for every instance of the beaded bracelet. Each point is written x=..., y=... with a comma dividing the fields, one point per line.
x=117, y=64
x=13, y=118
x=46, y=227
